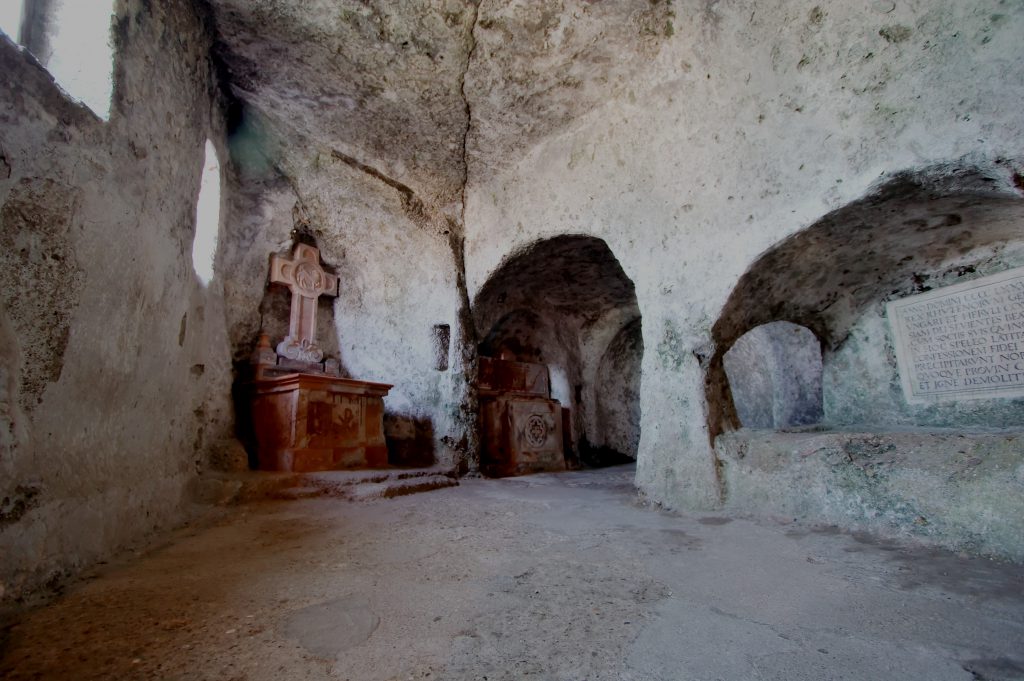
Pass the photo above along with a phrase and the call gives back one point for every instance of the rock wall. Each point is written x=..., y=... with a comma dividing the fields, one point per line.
x=617, y=388
x=115, y=359
x=943, y=489
x=748, y=123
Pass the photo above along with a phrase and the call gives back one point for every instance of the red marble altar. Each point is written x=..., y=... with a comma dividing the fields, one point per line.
x=308, y=422
x=521, y=424
x=305, y=416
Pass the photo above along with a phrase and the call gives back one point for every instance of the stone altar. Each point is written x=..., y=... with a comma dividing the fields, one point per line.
x=305, y=416
x=522, y=426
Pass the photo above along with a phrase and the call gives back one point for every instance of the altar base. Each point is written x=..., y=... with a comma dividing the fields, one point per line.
x=313, y=422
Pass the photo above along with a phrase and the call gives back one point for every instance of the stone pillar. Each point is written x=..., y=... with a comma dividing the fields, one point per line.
x=675, y=464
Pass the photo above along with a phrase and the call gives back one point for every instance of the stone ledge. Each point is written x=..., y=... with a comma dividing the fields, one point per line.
x=225, y=489
x=956, y=490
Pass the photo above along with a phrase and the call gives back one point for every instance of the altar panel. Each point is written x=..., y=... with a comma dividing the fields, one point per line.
x=522, y=426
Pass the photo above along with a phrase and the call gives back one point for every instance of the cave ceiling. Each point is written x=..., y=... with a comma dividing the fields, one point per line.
x=421, y=90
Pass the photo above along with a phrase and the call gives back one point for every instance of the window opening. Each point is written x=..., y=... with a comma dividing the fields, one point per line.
x=204, y=246
x=10, y=18
x=72, y=39
x=81, y=54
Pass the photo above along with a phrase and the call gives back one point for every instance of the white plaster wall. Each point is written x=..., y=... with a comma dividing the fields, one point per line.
x=752, y=122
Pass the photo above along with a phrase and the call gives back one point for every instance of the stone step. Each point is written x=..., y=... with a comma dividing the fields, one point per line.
x=298, y=493
x=400, y=488
x=241, y=487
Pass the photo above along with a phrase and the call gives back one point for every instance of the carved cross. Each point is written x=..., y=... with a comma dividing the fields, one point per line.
x=307, y=281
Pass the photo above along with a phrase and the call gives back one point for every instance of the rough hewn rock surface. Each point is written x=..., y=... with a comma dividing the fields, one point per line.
x=379, y=82
x=116, y=375
x=956, y=491
x=617, y=391
x=774, y=373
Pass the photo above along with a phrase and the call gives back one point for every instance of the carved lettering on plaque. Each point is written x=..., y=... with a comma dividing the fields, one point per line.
x=962, y=342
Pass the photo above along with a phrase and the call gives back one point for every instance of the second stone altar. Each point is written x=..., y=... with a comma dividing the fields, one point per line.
x=305, y=416
x=522, y=427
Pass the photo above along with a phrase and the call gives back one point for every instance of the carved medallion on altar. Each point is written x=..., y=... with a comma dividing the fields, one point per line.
x=522, y=426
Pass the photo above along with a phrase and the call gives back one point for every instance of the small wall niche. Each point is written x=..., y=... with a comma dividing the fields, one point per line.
x=441, y=342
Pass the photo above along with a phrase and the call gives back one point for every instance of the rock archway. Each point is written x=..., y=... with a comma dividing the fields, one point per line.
x=567, y=303
x=876, y=460
x=918, y=231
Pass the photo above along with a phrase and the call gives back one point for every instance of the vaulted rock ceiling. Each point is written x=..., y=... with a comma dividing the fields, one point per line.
x=420, y=89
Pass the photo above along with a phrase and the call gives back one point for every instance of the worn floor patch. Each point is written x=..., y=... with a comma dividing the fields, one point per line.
x=328, y=629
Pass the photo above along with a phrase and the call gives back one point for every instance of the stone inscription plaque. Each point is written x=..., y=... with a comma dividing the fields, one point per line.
x=962, y=342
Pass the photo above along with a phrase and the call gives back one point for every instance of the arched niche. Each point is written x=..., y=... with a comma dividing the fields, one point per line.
x=774, y=373
x=567, y=303
x=917, y=231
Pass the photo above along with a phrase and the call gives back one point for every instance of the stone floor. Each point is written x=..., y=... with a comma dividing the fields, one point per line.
x=561, y=577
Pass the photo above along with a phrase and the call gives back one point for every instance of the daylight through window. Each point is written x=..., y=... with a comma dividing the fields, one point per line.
x=204, y=247
x=10, y=18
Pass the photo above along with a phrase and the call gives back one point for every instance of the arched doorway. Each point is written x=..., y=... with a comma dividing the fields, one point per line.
x=566, y=303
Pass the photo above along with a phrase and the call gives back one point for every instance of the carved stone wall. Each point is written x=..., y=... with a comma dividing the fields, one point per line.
x=116, y=375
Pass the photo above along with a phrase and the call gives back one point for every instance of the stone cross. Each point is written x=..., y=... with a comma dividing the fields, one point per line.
x=307, y=281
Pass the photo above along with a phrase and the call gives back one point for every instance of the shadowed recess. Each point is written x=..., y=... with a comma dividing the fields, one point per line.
x=566, y=302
